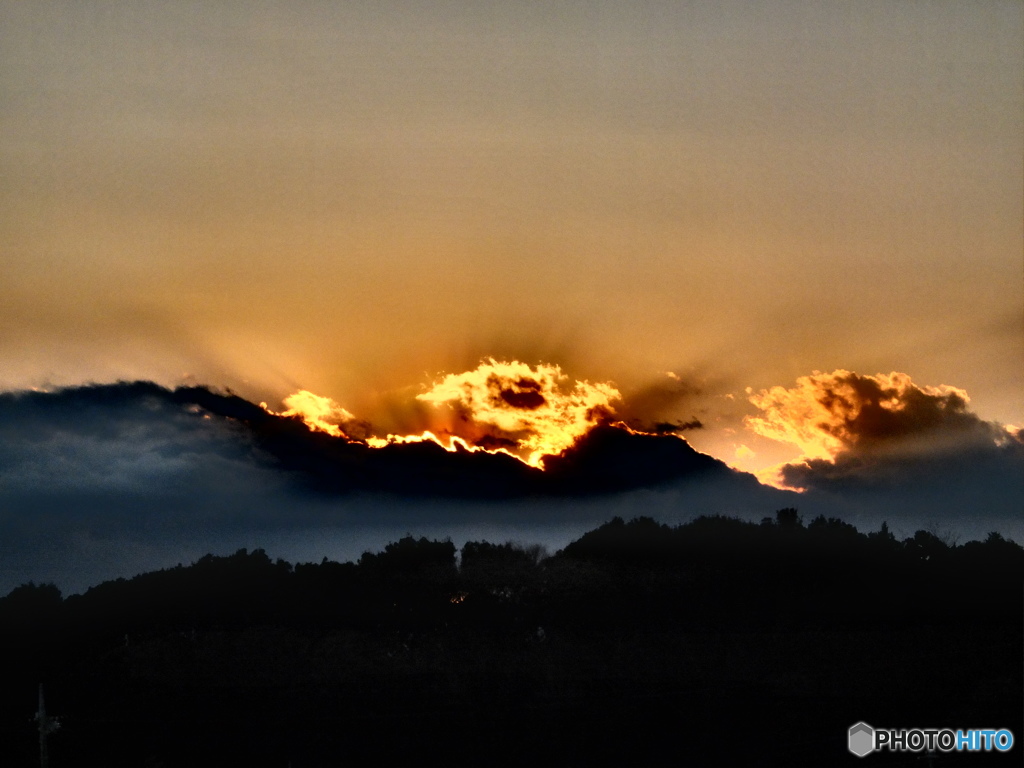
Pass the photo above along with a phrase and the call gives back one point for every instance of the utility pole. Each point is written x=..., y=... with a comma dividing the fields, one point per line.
x=46, y=727
x=44, y=755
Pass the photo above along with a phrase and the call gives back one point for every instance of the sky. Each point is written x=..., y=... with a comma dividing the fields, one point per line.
x=720, y=211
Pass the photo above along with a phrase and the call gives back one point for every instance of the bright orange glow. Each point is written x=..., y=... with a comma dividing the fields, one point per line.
x=743, y=452
x=1013, y=434
x=319, y=413
x=453, y=444
x=526, y=408
x=499, y=407
x=773, y=476
x=796, y=416
x=827, y=413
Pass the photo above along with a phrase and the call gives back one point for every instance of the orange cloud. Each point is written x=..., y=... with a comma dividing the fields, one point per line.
x=501, y=407
x=861, y=418
x=318, y=412
x=827, y=413
x=527, y=408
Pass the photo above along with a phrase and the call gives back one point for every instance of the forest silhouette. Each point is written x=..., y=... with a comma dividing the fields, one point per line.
x=715, y=642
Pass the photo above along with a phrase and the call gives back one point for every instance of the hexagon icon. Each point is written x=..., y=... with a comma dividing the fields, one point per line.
x=862, y=739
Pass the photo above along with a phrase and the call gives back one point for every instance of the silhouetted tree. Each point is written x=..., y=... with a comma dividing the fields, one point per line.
x=788, y=519
x=408, y=556
x=602, y=652
x=925, y=545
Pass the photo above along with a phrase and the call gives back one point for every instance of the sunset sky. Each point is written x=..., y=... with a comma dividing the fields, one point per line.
x=691, y=203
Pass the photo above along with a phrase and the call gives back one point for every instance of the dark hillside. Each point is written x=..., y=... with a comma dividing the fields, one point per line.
x=718, y=642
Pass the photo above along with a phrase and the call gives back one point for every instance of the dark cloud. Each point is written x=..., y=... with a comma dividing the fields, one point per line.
x=830, y=413
x=667, y=405
x=877, y=415
x=523, y=393
x=167, y=425
x=973, y=477
x=886, y=443
x=105, y=481
x=606, y=460
x=985, y=472
x=674, y=427
x=612, y=459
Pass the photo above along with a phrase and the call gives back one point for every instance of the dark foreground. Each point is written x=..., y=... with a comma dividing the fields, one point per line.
x=715, y=643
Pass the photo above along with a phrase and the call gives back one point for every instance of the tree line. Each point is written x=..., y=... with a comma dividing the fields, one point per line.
x=635, y=625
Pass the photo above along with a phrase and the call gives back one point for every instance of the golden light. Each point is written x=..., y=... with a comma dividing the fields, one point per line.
x=319, y=413
x=824, y=414
x=499, y=407
x=828, y=414
x=527, y=407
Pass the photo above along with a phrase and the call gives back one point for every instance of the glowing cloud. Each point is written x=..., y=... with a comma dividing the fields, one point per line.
x=526, y=410
x=828, y=413
x=853, y=422
x=318, y=412
x=743, y=452
x=499, y=407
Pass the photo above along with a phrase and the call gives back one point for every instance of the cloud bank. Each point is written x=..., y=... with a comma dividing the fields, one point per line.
x=108, y=480
x=883, y=441
x=73, y=435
